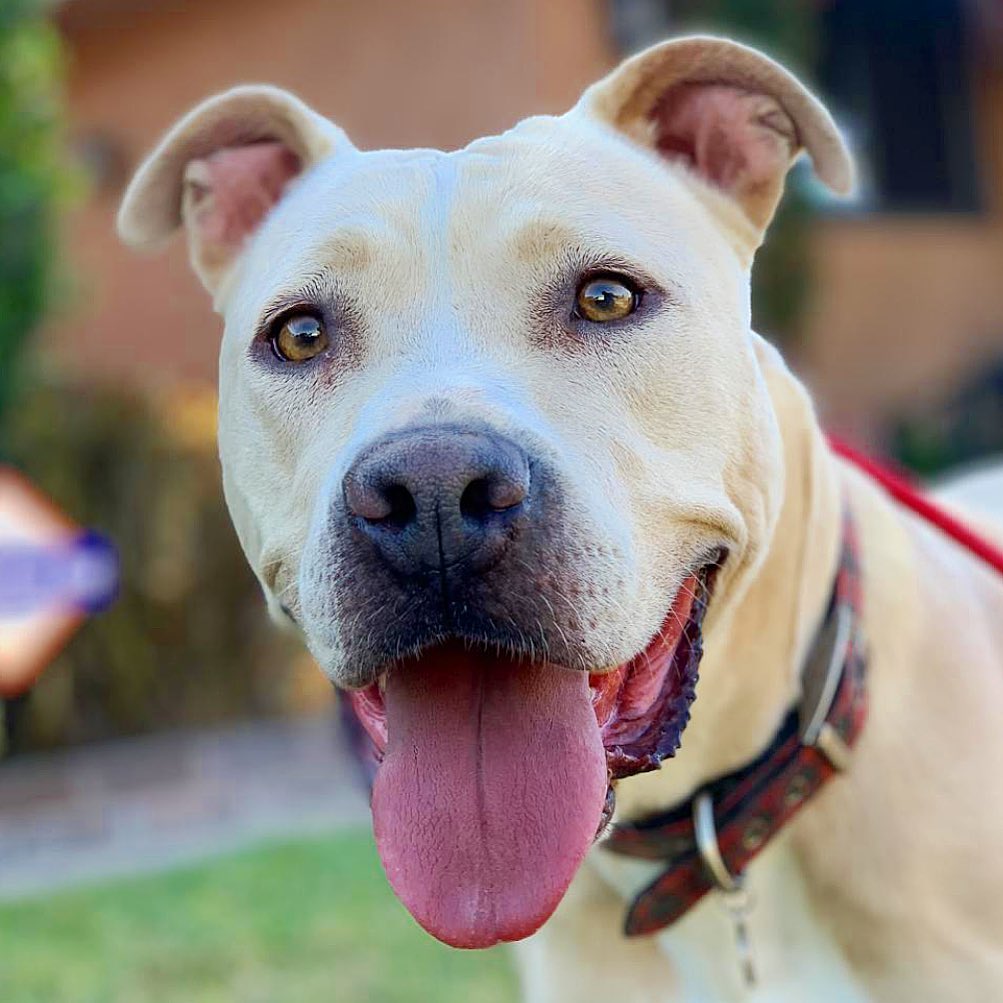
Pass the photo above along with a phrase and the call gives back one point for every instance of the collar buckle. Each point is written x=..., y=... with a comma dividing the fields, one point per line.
x=705, y=835
x=820, y=681
x=737, y=899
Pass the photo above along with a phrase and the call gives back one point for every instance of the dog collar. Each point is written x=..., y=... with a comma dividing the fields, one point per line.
x=708, y=842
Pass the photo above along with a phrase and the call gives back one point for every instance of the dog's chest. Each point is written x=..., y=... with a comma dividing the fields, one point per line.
x=794, y=955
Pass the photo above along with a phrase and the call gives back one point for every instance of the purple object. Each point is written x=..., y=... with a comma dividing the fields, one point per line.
x=80, y=574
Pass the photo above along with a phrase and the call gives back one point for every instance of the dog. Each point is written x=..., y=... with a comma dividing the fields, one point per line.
x=499, y=441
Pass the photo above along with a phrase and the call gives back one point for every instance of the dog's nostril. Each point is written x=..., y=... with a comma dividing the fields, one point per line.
x=507, y=492
x=474, y=502
x=365, y=500
x=401, y=505
x=387, y=503
x=485, y=495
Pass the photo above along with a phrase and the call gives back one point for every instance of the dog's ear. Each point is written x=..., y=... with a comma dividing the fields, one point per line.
x=219, y=171
x=729, y=114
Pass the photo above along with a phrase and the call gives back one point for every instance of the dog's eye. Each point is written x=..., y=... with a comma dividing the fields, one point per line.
x=299, y=338
x=603, y=298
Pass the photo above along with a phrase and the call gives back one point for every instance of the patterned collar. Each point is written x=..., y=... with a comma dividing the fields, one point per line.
x=708, y=841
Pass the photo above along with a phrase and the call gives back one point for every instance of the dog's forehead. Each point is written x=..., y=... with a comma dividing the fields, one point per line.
x=527, y=195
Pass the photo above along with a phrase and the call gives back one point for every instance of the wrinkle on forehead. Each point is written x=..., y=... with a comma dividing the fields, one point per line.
x=350, y=249
x=540, y=238
x=361, y=217
x=367, y=209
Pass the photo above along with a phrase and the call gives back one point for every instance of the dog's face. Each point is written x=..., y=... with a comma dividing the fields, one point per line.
x=452, y=291
x=478, y=423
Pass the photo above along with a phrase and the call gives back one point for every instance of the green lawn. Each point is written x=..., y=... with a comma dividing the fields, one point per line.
x=302, y=922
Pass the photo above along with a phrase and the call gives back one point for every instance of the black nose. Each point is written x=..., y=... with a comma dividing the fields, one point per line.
x=439, y=497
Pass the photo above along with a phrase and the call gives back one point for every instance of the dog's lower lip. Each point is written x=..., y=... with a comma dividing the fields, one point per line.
x=624, y=697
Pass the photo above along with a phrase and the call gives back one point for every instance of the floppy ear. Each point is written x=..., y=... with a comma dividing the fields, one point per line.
x=729, y=114
x=219, y=171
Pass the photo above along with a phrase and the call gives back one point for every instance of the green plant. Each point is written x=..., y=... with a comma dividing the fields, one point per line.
x=31, y=176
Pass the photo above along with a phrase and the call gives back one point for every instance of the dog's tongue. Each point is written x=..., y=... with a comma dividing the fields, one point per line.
x=489, y=795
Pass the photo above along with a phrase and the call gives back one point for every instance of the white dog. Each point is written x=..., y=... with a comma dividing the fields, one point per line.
x=495, y=432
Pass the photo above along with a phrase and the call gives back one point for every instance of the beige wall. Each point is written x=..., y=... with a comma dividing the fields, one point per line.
x=907, y=309
x=392, y=72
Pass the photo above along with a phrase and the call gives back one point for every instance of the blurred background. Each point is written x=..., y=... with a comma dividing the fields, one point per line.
x=891, y=308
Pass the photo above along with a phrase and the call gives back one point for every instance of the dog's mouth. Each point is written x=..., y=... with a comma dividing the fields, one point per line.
x=496, y=774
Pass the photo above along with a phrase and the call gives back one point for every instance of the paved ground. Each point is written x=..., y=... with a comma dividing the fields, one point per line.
x=149, y=803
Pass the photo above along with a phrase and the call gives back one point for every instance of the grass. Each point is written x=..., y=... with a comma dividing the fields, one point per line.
x=301, y=922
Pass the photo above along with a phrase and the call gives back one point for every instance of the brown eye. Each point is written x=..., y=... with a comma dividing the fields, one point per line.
x=299, y=338
x=603, y=298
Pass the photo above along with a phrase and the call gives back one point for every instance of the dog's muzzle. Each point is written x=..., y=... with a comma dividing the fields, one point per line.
x=442, y=533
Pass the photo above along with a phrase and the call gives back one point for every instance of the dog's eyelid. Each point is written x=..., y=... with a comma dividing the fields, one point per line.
x=619, y=267
x=636, y=285
x=312, y=296
x=282, y=310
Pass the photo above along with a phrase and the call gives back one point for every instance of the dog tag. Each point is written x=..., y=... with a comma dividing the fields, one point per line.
x=739, y=904
x=737, y=899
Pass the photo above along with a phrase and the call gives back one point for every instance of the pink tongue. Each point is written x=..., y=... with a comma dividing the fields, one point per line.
x=489, y=795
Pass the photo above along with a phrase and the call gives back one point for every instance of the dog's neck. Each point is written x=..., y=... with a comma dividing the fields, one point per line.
x=750, y=672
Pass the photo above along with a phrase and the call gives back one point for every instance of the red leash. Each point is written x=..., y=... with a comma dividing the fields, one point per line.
x=903, y=491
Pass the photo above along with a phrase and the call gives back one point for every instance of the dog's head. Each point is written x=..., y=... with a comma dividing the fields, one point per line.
x=490, y=421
